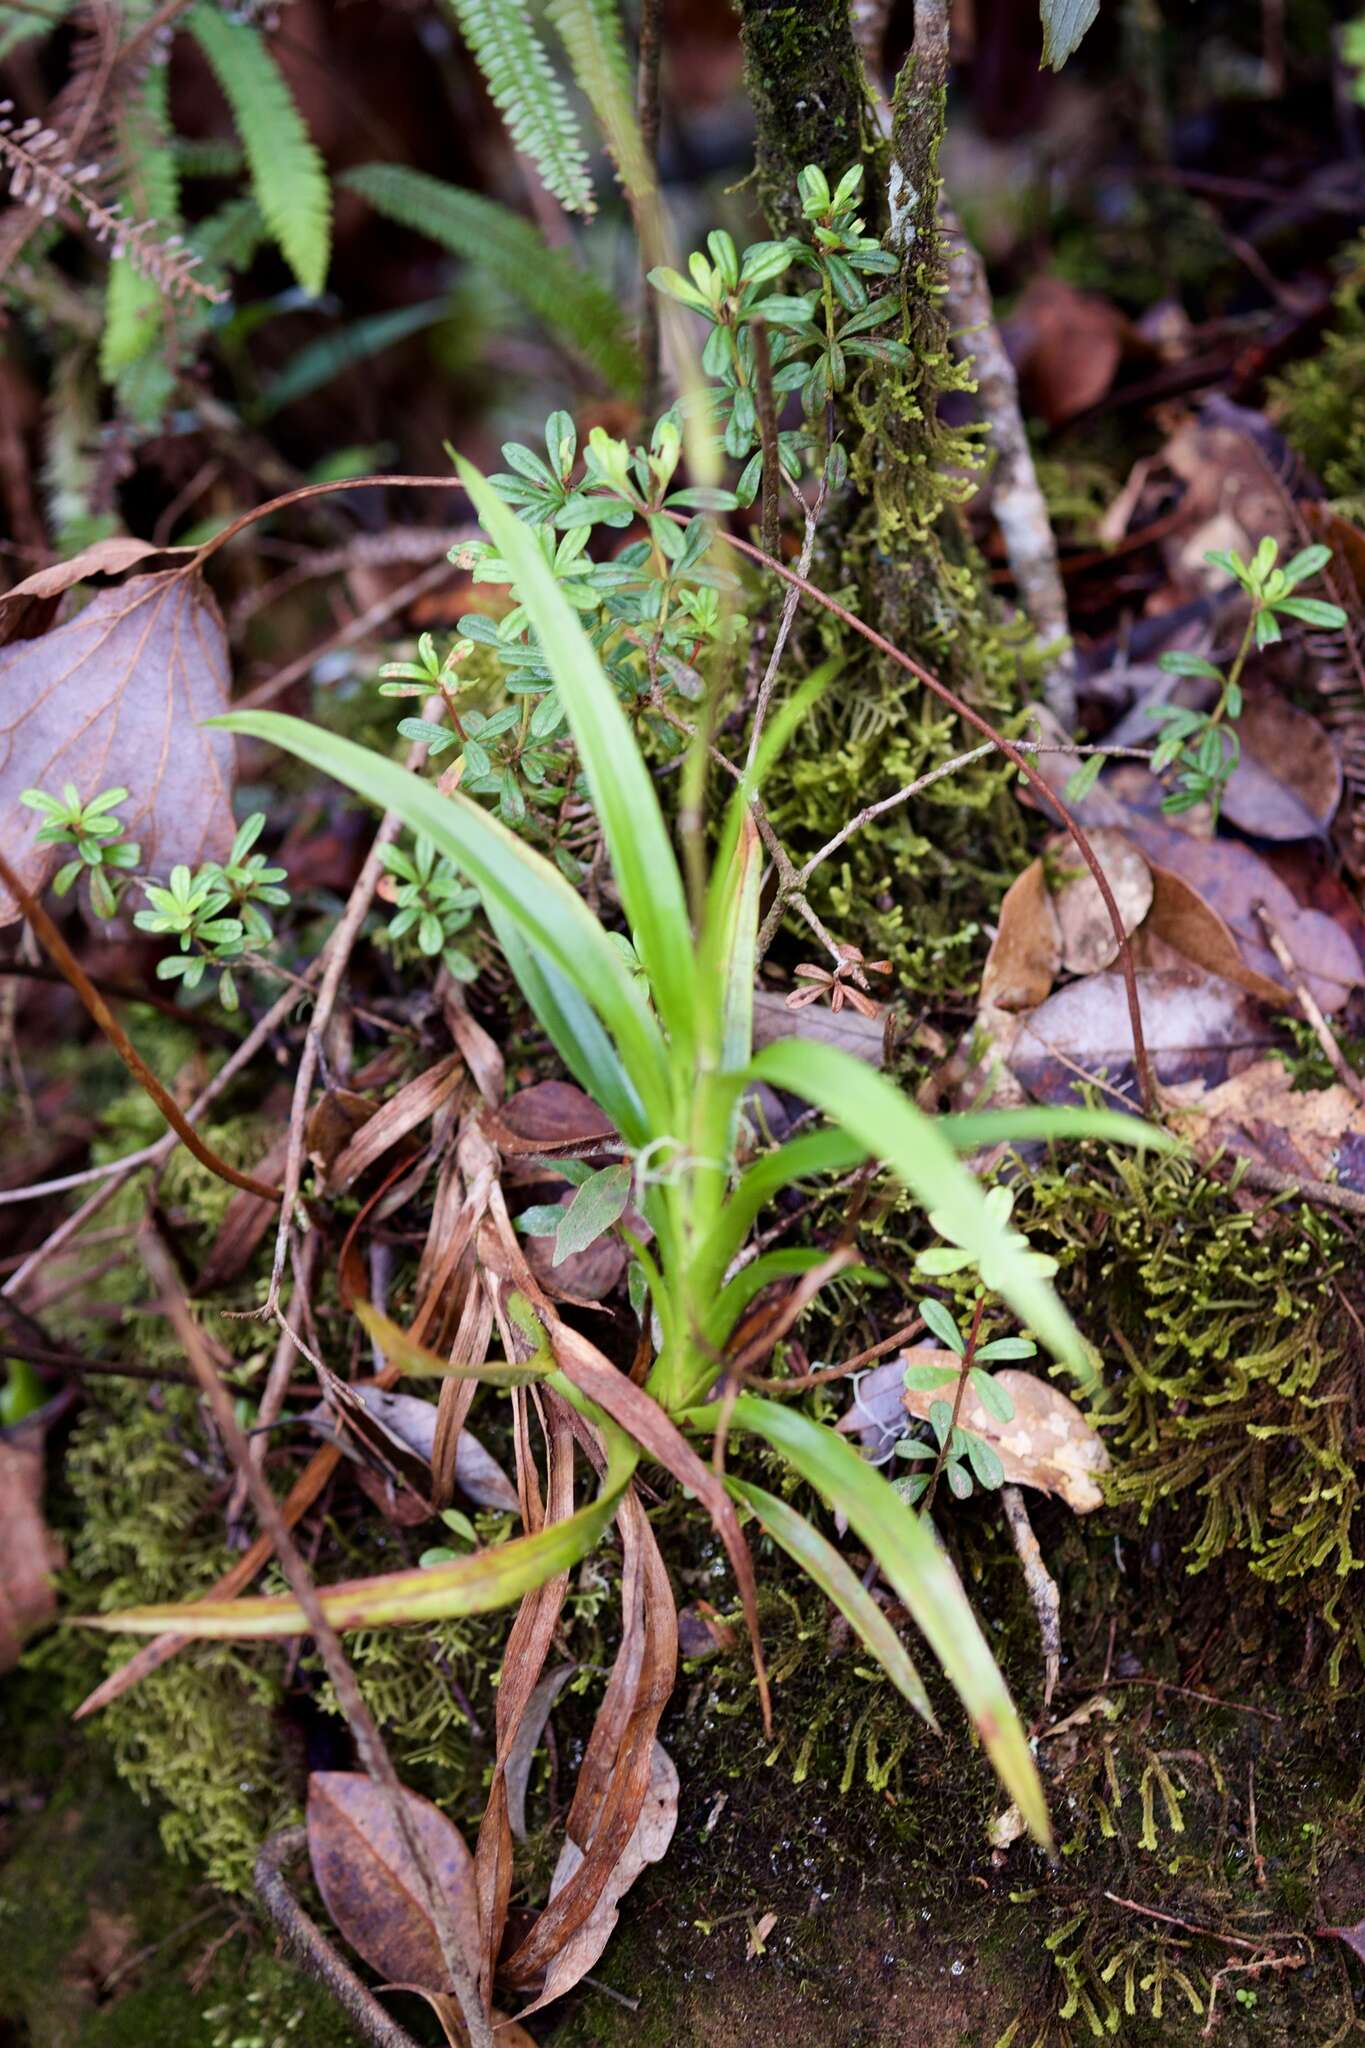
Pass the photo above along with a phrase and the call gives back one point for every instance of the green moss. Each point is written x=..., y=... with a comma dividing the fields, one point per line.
x=1321, y=401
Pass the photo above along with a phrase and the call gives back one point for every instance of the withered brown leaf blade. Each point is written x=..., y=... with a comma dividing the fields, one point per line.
x=1288, y=782
x=370, y=1885
x=116, y=698
x=27, y=608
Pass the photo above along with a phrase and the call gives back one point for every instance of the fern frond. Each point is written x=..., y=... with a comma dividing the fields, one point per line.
x=133, y=307
x=288, y=176
x=20, y=25
x=524, y=89
x=590, y=31
x=570, y=303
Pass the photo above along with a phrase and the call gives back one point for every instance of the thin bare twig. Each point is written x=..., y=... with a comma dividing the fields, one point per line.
x=1042, y=1587
x=784, y=625
x=154, y=1155
x=647, y=113
x=369, y=1743
x=310, y=1945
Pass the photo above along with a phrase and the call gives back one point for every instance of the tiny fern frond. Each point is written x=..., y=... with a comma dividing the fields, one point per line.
x=288, y=176
x=522, y=84
x=570, y=302
x=133, y=305
x=590, y=31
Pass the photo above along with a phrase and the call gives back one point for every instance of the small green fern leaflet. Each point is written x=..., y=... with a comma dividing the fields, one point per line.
x=570, y=303
x=525, y=91
x=287, y=174
x=133, y=304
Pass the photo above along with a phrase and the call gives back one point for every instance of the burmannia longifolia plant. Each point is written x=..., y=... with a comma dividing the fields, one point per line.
x=667, y=1054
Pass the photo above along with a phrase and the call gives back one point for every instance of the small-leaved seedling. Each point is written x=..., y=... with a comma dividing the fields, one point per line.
x=431, y=905
x=102, y=854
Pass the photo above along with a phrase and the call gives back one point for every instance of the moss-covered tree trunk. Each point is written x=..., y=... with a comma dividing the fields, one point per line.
x=895, y=537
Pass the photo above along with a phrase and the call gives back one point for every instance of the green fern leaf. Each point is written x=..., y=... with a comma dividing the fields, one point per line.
x=133, y=310
x=288, y=176
x=590, y=31
x=526, y=92
x=570, y=303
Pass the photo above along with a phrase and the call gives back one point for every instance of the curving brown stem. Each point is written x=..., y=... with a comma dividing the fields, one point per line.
x=1011, y=753
x=45, y=930
x=310, y=1945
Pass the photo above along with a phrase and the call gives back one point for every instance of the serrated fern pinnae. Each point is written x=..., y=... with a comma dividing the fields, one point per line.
x=288, y=176
x=134, y=311
x=590, y=31
x=569, y=302
x=523, y=87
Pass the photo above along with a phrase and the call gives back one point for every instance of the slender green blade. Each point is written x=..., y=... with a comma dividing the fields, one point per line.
x=518, y=885
x=908, y=1552
x=409, y=1356
x=477, y=1584
x=838, y=1581
x=829, y=1151
x=915, y=1148
x=642, y=857
x=976, y=1129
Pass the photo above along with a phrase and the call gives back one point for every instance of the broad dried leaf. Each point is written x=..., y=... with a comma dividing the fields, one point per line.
x=397, y=1433
x=1181, y=919
x=1231, y=879
x=28, y=1597
x=1047, y=1443
x=1088, y=940
x=522, y=1749
x=1067, y=344
x=1288, y=782
x=117, y=698
x=1027, y=948
x=370, y=1885
x=1316, y=1133
x=1191, y=1023
x=552, y=1116
x=28, y=608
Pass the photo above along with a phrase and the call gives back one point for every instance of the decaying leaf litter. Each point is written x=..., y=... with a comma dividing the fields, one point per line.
x=685, y=1333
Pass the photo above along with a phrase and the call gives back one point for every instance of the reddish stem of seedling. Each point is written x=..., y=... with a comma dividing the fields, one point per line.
x=964, y=1368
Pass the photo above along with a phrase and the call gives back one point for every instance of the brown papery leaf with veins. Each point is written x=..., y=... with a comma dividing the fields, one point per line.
x=370, y=1885
x=114, y=698
x=1047, y=1442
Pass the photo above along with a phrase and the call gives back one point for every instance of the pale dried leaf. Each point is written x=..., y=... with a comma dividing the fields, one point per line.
x=1191, y=1022
x=27, y=608
x=117, y=698
x=1088, y=939
x=1047, y=1443
x=1181, y=918
x=1317, y=1133
x=1027, y=948
x=864, y=1037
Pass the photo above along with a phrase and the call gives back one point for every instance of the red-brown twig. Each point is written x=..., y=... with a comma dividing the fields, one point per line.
x=62, y=956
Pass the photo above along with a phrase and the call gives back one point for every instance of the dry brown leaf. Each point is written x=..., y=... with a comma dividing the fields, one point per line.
x=1288, y=782
x=1317, y=1133
x=397, y=1434
x=521, y=1752
x=1048, y=1443
x=1027, y=948
x=1181, y=918
x=28, y=1599
x=1087, y=932
x=1231, y=879
x=117, y=698
x=1067, y=345
x=370, y=1885
x=27, y=608
x=1191, y=1022
x=552, y=1116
